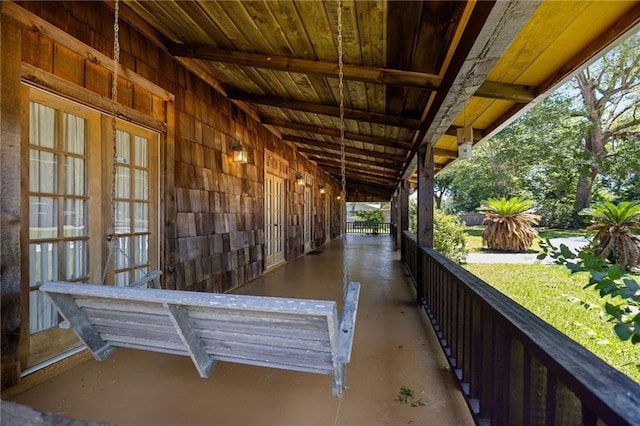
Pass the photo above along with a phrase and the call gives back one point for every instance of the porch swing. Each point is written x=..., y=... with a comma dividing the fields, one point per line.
x=291, y=334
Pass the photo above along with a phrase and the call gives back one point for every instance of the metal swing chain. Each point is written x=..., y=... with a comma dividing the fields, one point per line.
x=113, y=237
x=346, y=274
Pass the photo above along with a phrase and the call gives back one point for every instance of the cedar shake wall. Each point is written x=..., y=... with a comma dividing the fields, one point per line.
x=214, y=232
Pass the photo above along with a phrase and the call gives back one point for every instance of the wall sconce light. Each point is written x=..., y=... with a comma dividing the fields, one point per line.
x=465, y=142
x=322, y=190
x=240, y=154
x=338, y=198
x=300, y=179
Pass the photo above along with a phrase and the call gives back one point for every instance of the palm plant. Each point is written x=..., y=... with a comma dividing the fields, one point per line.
x=615, y=226
x=509, y=223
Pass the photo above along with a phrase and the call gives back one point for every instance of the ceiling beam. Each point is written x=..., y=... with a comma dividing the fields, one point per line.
x=365, y=183
x=336, y=166
x=336, y=171
x=478, y=134
x=354, y=114
x=491, y=28
x=386, y=76
x=374, y=140
x=336, y=147
x=388, y=165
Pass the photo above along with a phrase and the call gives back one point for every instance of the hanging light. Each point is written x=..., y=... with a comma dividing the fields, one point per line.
x=322, y=190
x=240, y=154
x=465, y=142
x=300, y=179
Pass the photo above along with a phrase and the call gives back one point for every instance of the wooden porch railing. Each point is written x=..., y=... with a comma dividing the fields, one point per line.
x=513, y=367
x=369, y=228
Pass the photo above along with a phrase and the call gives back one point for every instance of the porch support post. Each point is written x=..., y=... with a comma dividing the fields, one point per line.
x=394, y=220
x=10, y=258
x=424, y=232
x=403, y=212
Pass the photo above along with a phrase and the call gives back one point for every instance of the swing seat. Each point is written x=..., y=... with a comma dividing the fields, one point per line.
x=291, y=334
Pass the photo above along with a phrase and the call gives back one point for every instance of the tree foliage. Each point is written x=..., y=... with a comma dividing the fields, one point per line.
x=449, y=237
x=371, y=216
x=559, y=148
x=620, y=291
x=610, y=95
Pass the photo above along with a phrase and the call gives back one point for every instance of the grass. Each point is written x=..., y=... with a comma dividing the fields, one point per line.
x=557, y=297
x=474, y=238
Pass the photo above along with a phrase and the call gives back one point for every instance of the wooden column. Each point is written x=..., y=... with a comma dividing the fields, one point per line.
x=424, y=232
x=403, y=210
x=394, y=220
x=10, y=255
x=425, y=198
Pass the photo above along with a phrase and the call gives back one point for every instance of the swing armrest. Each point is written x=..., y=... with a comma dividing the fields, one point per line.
x=348, y=322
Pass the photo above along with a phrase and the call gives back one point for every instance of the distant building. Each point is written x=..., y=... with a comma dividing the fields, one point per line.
x=354, y=208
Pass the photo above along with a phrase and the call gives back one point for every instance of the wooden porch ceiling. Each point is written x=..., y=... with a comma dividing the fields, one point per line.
x=414, y=71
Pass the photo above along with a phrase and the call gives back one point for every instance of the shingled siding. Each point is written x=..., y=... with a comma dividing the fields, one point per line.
x=213, y=235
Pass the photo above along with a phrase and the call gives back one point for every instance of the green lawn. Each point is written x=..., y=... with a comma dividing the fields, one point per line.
x=474, y=238
x=555, y=296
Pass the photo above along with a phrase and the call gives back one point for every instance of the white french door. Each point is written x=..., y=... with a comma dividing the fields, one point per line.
x=327, y=216
x=308, y=214
x=70, y=174
x=274, y=220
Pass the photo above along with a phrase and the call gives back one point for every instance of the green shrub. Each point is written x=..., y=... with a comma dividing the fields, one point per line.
x=449, y=236
x=371, y=216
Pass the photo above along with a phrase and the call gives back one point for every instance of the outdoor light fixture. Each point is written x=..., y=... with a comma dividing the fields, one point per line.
x=300, y=178
x=338, y=197
x=240, y=154
x=465, y=141
x=322, y=190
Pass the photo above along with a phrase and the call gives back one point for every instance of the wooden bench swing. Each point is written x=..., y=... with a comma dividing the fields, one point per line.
x=292, y=334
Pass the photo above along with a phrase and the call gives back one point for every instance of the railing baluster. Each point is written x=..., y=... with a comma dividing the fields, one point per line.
x=517, y=389
x=512, y=367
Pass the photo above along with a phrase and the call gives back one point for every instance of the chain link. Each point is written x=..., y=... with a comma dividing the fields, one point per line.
x=112, y=238
x=346, y=274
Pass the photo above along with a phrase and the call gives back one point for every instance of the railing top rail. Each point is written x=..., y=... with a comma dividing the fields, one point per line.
x=411, y=236
x=596, y=383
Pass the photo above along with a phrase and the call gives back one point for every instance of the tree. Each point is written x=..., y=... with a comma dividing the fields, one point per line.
x=508, y=223
x=558, y=154
x=442, y=185
x=610, y=93
x=615, y=226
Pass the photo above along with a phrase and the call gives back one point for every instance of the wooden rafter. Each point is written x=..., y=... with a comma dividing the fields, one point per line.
x=335, y=133
x=336, y=147
x=330, y=110
x=359, y=172
x=315, y=155
x=386, y=76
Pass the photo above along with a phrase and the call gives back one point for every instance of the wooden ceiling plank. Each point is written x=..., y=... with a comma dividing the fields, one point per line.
x=366, y=167
x=360, y=172
x=326, y=110
x=335, y=133
x=386, y=164
x=336, y=147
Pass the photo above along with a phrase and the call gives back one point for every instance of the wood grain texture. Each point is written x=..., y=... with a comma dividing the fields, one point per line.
x=293, y=334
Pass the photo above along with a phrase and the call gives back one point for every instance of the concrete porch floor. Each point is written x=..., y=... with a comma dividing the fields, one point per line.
x=394, y=346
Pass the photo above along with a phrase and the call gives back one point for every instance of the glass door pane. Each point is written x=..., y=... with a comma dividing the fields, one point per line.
x=135, y=212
